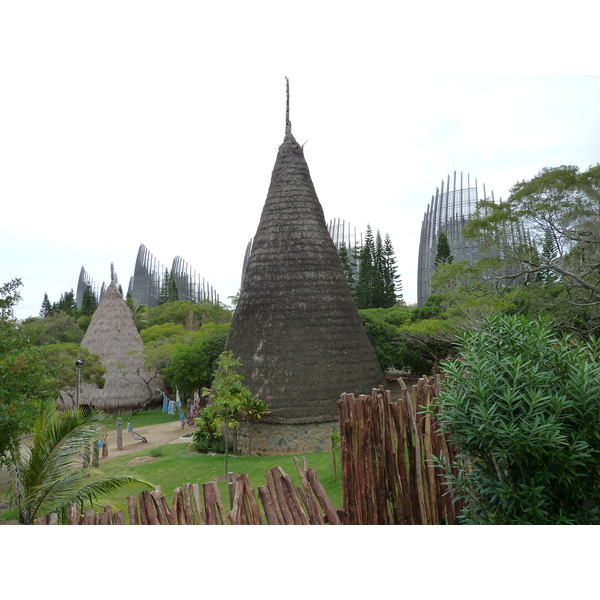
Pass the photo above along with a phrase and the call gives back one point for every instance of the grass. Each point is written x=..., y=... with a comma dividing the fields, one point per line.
x=154, y=416
x=173, y=465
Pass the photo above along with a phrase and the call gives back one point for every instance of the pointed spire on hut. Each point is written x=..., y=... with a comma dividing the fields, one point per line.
x=296, y=328
x=288, y=123
x=113, y=336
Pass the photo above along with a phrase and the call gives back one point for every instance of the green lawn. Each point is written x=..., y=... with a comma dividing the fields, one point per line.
x=154, y=416
x=173, y=465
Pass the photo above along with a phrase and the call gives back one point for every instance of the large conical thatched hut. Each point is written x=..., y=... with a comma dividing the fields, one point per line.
x=113, y=336
x=296, y=327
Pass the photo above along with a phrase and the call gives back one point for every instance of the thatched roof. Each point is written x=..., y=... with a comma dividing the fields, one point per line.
x=113, y=336
x=296, y=327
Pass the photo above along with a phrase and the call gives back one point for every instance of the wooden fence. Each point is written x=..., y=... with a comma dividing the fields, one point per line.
x=387, y=477
x=386, y=446
x=282, y=504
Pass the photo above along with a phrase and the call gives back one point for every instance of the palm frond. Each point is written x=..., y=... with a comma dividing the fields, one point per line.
x=49, y=478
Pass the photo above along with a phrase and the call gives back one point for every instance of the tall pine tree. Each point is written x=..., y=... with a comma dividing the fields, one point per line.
x=549, y=252
x=168, y=289
x=66, y=303
x=348, y=264
x=443, y=255
x=392, y=283
x=46, y=309
x=89, y=303
x=379, y=267
x=378, y=284
x=364, y=290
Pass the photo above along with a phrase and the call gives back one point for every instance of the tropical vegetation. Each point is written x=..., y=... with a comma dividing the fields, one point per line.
x=513, y=334
x=372, y=272
x=26, y=385
x=522, y=403
x=47, y=478
x=229, y=402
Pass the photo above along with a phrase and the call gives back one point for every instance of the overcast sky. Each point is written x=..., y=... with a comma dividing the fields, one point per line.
x=128, y=123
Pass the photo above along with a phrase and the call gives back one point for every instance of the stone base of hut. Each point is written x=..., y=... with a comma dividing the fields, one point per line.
x=268, y=439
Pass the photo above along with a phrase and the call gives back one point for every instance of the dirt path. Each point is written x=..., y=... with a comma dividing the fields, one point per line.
x=157, y=435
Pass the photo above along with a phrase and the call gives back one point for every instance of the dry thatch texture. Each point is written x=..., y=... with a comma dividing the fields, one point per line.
x=296, y=327
x=112, y=335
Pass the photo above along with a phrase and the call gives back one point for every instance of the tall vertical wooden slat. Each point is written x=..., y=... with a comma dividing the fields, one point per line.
x=273, y=495
x=322, y=497
x=159, y=507
x=209, y=503
x=256, y=518
x=345, y=454
x=213, y=504
x=106, y=516
x=178, y=507
x=142, y=507
x=187, y=502
x=280, y=496
x=89, y=517
x=378, y=483
x=169, y=513
x=150, y=510
x=236, y=514
x=430, y=472
x=300, y=516
x=219, y=503
x=132, y=510
x=198, y=504
x=310, y=500
x=74, y=514
x=268, y=505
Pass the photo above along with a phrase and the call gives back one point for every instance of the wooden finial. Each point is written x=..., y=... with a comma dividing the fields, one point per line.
x=288, y=125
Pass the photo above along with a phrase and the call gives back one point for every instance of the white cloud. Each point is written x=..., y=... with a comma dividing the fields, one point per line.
x=142, y=123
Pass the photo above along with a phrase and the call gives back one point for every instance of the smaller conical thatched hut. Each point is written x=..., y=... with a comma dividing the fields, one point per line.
x=113, y=336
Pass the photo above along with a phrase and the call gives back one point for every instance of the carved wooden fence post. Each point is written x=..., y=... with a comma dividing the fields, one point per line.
x=119, y=433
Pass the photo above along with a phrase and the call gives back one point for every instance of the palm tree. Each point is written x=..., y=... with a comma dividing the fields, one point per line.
x=46, y=477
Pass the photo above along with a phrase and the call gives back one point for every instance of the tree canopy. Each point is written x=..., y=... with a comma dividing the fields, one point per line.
x=26, y=384
x=547, y=236
x=192, y=365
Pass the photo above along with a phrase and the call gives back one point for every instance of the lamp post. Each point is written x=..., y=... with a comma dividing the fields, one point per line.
x=78, y=364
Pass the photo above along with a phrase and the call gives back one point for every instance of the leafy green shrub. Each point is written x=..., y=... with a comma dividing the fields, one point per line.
x=155, y=452
x=206, y=437
x=205, y=444
x=523, y=406
x=229, y=403
x=193, y=365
